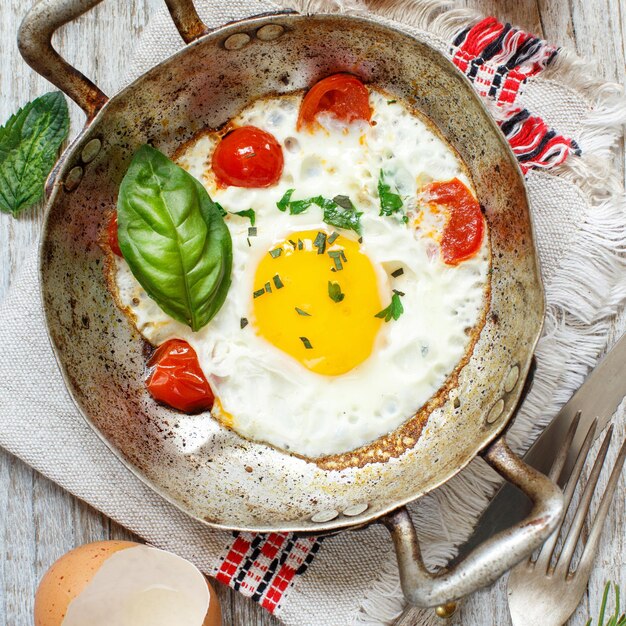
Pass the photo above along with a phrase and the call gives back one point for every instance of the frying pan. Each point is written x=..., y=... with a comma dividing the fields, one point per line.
x=206, y=470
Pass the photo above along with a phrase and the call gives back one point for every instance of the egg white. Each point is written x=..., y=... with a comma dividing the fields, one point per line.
x=268, y=395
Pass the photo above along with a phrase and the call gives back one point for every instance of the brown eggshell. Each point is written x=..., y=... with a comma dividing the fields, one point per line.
x=214, y=614
x=67, y=578
x=69, y=575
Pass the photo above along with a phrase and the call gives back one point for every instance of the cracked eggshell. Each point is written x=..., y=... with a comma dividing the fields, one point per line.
x=78, y=587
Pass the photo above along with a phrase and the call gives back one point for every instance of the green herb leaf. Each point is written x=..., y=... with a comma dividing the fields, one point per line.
x=174, y=238
x=306, y=342
x=303, y=313
x=390, y=202
x=258, y=292
x=278, y=283
x=339, y=211
x=334, y=291
x=249, y=213
x=29, y=144
x=394, y=310
x=243, y=322
x=276, y=252
x=283, y=203
x=220, y=208
x=252, y=231
x=333, y=238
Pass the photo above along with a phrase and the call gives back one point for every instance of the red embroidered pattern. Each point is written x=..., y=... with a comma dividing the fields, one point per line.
x=498, y=59
x=263, y=567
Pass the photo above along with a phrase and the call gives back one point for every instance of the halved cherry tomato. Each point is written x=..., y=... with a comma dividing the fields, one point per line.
x=112, y=235
x=465, y=225
x=248, y=157
x=342, y=95
x=176, y=378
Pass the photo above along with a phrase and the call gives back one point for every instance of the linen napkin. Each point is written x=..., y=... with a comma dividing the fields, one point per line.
x=562, y=124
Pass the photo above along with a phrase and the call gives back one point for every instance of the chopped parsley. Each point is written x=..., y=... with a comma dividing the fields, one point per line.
x=397, y=272
x=276, y=252
x=320, y=242
x=278, y=283
x=306, y=342
x=303, y=313
x=243, y=322
x=283, y=203
x=390, y=202
x=334, y=291
x=249, y=213
x=339, y=211
x=394, y=310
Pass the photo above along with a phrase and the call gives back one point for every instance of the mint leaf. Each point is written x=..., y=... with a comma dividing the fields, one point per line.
x=334, y=292
x=249, y=213
x=390, y=202
x=394, y=310
x=29, y=144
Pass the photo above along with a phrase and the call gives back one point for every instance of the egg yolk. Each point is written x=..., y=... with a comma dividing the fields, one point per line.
x=315, y=297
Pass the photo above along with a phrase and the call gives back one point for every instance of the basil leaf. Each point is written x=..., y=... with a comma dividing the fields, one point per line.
x=174, y=238
x=390, y=203
x=29, y=144
x=249, y=213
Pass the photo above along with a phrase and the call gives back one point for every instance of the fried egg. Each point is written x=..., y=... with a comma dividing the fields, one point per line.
x=297, y=356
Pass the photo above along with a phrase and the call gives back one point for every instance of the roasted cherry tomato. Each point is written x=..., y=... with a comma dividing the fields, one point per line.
x=465, y=225
x=176, y=379
x=342, y=95
x=248, y=157
x=114, y=244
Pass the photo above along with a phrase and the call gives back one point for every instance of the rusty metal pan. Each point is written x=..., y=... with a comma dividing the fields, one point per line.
x=207, y=471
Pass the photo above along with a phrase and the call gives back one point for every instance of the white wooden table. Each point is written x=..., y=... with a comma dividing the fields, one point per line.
x=39, y=521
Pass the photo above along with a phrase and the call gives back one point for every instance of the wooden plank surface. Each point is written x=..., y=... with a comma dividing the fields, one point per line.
x=39, y=521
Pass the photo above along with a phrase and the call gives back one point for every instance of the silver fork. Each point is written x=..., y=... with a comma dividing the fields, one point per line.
x=544, y=594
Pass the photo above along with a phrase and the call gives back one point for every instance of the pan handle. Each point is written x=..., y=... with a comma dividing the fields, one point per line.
x=495, y=556
x=34, y=40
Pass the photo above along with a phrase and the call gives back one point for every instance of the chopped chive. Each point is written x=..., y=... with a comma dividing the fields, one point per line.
x=360, y=239
x=332, y=238
x=400, y=293
x=276, y=252
x=258, y=292
x=248, y=240
x=293, y=243
x=278, y=283
x=334, y=292
x=303, y=313
x=343, y=256
x=249, y=156
x=252, y=231
x=333, y=269
x=336, y=255
x=300, y=244
x=391, y=101
x=243, y=322
x=306, y=342
x=397, y=272
x=320, y=242
x=268, y=287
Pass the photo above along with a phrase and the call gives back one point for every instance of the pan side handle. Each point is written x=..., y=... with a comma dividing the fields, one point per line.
x=35, y=44
x=495, y=556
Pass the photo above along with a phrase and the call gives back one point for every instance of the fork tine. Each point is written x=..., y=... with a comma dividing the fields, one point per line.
x=559, y=461
x=547, y=550
x=591, y=546
x=569, y=545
